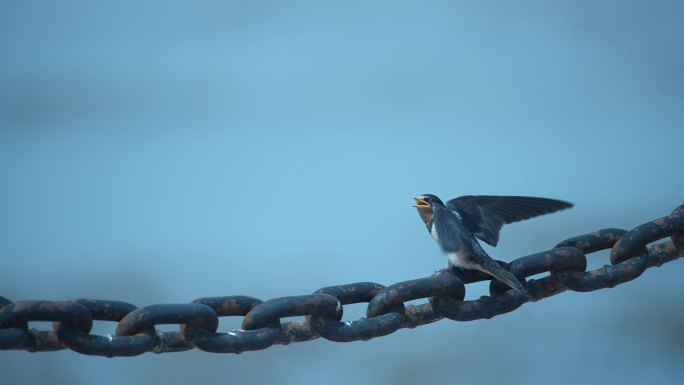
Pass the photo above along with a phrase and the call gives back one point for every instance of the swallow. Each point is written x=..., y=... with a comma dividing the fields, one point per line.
x=456, y=225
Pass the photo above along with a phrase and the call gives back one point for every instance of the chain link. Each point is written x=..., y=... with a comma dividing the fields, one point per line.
x=387, y=312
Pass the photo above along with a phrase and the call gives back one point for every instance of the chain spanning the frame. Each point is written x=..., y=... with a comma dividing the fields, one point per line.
x=135, y=334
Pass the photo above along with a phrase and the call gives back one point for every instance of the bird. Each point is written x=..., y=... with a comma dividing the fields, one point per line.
x=458, y=224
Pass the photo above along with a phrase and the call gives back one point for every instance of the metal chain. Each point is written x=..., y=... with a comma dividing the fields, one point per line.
x=135, y=334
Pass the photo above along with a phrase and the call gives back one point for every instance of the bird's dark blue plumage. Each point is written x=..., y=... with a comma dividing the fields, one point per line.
x=484, y=215
x=456, y=225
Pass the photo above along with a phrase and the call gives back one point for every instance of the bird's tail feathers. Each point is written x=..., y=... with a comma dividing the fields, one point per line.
x=505, y=276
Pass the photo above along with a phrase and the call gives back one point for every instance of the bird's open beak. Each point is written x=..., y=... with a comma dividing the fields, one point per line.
x=421, y=203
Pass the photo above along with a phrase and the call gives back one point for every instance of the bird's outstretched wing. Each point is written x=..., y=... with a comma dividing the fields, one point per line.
x=485, y=214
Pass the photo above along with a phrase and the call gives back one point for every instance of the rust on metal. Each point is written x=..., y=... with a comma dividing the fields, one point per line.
x=565, y=266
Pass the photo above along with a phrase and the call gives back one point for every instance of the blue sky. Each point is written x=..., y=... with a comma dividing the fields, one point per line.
x=166, y=151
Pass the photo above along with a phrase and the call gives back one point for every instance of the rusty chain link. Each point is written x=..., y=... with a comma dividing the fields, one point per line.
x=262, y=327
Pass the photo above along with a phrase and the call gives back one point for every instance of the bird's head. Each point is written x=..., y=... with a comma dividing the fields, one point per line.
x=424, y=205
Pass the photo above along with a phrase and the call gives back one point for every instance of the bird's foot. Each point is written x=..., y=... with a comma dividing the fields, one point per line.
x=443, y=271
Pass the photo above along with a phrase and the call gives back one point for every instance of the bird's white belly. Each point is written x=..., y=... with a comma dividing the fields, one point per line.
x=460, y=259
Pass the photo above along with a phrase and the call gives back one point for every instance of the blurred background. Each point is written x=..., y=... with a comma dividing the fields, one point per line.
x=162, y=151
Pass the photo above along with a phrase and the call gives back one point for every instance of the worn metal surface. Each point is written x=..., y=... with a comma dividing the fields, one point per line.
x=262, y=326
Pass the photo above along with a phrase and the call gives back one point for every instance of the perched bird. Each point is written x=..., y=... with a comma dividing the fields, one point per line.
x=455, y=225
